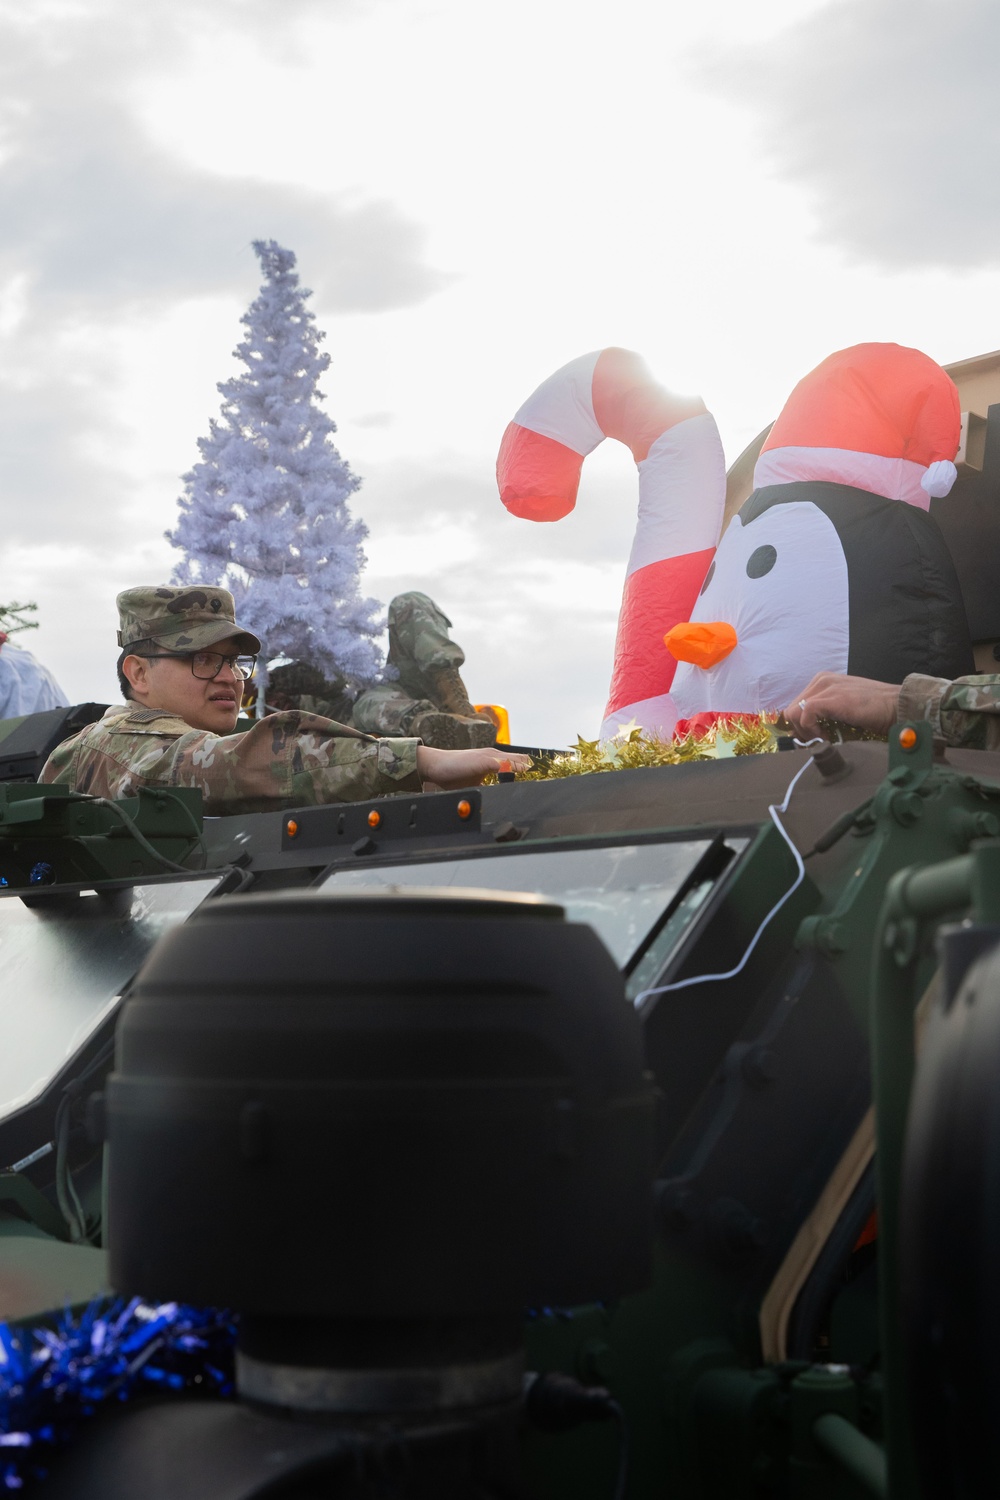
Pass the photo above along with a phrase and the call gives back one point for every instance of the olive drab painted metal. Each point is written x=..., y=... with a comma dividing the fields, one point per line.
x=766, y=1355
x=54, y=836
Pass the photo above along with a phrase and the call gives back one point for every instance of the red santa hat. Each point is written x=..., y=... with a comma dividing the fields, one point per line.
x=878, y=417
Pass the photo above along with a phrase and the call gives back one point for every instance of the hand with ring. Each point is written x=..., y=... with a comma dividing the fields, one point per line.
x=857, y=701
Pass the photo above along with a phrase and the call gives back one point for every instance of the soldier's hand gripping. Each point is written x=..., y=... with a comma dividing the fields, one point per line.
x=857, y=701
x=443, y=770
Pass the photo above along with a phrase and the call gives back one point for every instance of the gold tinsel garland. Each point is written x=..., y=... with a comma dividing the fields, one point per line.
x=631, y=749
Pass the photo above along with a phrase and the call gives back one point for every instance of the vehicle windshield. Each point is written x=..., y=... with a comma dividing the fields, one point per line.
x=65, y=963
x=622, y=890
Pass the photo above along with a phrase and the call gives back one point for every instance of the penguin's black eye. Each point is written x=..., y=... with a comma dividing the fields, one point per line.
x=708, y=578
x=761, y=561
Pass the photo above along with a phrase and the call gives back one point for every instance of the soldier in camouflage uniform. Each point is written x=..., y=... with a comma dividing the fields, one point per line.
x=426, y=698
x=183, y=680
x=298, y=685
x=964, y=713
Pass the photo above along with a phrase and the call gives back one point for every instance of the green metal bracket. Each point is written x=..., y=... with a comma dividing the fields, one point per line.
x=851, y=1452
x=923, y=810
x=827, y=1446
x=917, y=898
x=17, y=1189
x=51, y=835
x=789, y=1429
x=911, y=747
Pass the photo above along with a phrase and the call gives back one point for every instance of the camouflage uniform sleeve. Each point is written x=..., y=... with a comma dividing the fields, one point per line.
x=965, y=713
x=289, y=759
x=59, y=764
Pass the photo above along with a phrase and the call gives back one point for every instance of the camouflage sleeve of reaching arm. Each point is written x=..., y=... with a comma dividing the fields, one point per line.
x=965, y=713
x=286, y=760
x=292, y=759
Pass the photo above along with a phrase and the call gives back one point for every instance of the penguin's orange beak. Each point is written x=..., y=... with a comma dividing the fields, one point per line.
x=702, y=643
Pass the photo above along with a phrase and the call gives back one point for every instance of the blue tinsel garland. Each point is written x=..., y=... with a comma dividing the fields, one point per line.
x=51, y=1378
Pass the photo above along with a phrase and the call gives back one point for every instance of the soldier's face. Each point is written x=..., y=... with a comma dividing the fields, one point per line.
x=172, y=686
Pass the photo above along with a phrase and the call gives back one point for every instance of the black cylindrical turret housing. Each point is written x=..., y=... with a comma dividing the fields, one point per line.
x=379, y=1105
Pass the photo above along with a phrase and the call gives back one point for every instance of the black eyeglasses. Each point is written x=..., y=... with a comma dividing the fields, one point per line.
x=206, y=664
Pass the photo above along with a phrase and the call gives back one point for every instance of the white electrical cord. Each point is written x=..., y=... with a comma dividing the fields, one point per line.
x=774, y=810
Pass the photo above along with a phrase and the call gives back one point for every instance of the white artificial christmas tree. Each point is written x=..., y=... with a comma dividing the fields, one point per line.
x=264, y=513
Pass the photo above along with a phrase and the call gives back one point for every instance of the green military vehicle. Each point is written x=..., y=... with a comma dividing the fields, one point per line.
x=559, y=1138
x=615, y=1135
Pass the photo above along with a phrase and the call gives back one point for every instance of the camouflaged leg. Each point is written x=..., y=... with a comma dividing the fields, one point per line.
x=387, y=710
x=418, y=640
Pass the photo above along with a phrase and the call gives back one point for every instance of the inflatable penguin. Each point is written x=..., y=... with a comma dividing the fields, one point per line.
x=833, y=563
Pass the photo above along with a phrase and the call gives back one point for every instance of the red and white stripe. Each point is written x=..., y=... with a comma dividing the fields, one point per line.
x=893, y=478
x=682, y=489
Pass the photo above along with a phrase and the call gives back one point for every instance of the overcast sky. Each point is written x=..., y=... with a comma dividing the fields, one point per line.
x=476, y=194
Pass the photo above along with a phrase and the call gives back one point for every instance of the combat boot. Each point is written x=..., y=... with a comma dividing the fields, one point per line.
x=453, y=731
x=448, y=691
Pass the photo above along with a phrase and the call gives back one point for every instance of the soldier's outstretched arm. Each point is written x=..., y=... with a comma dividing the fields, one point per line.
x=964, y=713
x=287, y=759
x=442, y=770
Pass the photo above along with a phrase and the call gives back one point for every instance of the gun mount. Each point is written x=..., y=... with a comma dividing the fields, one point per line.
x=50, y=835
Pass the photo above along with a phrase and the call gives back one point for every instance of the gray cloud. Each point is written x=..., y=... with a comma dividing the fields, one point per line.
x=101, y=227
x=48, y=489
x=375, y=419
x=108, y=221
x=405, y=497
x=100, y=215
x=885, y=110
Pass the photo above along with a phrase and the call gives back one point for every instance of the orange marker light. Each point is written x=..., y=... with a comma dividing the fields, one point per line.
x=374, y=818
x=291, y=828
x=500, y=717
x=464, y=808
x=907, y=739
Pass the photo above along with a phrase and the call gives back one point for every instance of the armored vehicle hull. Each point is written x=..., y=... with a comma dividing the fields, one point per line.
x=780, y=1314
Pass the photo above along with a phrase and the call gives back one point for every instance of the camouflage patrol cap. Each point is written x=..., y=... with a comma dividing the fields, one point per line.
x=181, y=619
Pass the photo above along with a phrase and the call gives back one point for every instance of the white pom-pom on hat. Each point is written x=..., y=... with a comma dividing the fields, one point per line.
x=939, y=478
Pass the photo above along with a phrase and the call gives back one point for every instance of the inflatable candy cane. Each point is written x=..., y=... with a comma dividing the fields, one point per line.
x=682, y=488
